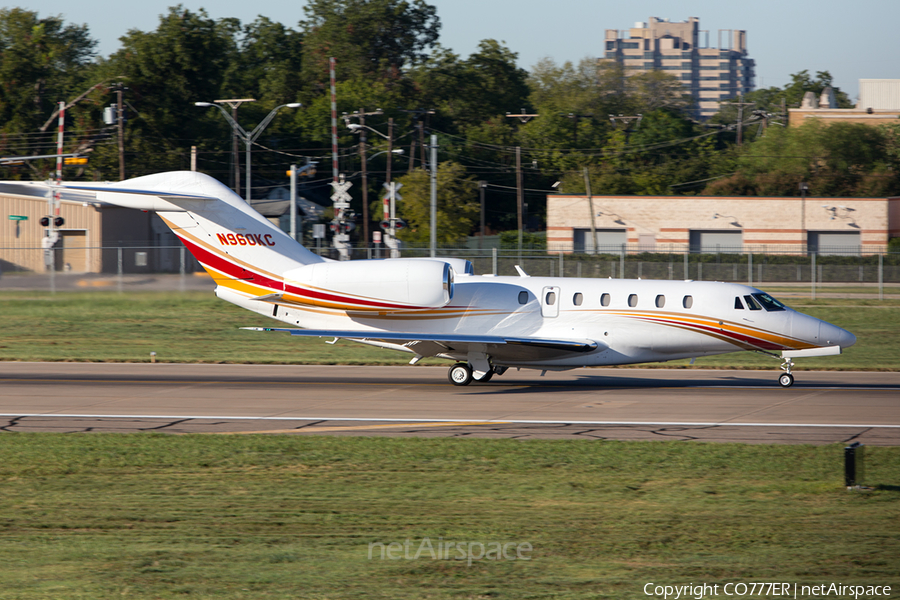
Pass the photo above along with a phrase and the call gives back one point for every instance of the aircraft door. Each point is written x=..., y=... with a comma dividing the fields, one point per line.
x=550, y=301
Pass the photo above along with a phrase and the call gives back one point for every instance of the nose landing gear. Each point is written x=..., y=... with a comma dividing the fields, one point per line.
x=786, y=379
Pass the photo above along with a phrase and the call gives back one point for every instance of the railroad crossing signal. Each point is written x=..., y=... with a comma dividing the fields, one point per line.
x=393, y=186
x=340, y=197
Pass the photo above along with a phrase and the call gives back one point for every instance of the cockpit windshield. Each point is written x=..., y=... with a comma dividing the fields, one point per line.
x=769, y=303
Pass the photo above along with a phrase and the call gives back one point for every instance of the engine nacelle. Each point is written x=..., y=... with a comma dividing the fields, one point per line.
x=371, y=285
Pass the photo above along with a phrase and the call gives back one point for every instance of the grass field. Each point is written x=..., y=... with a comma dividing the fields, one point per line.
x=155, y=516
x=197, y=327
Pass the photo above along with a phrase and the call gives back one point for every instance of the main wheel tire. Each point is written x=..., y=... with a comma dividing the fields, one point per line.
x=460, y=374
x=786, y=380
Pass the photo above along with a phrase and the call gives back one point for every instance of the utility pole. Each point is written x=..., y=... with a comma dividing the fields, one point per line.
x=523, y=117
x=520, y=196
x=361, y=114
x=434, y=196
x=740, y=120
x=587, y=187
x=626, y=121
x=804, y=238
x=418, y=115
x=481, y=186
x=120, y=118
x=575, y=118
x=390, y=151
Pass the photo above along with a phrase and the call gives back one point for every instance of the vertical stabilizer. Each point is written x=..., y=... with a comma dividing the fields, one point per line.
x=240, y=248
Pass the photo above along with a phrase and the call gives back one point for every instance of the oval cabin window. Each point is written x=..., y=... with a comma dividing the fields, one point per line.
x=523, y=297
x=632, y=300
x=604, y=300
x=578, y=299
x=660, y=301
x=551, y=298
x=688, y=301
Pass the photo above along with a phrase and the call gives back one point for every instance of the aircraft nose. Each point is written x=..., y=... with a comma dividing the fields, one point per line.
x=832, y=335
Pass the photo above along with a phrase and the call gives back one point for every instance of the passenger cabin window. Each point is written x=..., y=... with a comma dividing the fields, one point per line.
x=604, y=300
x=632, y=300
x=688, y=301
x=578, y=299
x=660, y=301
x=550, y=299
x=751, y=303
x=769, y=303
x=738, y=305
x=523, y=297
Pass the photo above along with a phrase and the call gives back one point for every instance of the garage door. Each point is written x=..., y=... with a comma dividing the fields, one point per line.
x=834, y=242
x=608, y=240
x=710, y=241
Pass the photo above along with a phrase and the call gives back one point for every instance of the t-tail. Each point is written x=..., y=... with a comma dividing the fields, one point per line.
x=243, y=252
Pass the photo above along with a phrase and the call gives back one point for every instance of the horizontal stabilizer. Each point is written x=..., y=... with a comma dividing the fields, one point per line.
x=826, y=351
x=159, y=193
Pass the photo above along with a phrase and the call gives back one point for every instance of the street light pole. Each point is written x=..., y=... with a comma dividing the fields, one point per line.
x=235, y=103
x=248, y=137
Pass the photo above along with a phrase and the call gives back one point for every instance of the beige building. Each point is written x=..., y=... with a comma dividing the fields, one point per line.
x=721, y=224
x=710, y=74
x=88, y=240
x=879, y=104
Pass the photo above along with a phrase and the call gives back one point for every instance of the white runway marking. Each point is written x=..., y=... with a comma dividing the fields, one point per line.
x=460, y=421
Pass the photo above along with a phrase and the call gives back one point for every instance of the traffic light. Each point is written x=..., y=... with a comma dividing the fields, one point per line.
x=57, y=221
x=45, y=221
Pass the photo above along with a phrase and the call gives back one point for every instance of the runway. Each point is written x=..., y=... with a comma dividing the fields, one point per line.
x=624, y=404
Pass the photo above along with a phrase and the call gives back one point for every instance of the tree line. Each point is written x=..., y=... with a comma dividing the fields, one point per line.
x=389, y=57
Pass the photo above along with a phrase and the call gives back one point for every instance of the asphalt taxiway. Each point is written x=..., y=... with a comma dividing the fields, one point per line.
x=639, y=404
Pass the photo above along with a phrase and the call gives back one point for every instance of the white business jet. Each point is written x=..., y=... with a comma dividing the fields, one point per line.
x=440, y=308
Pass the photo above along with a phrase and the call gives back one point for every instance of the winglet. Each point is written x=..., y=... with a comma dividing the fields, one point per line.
x=521, y=272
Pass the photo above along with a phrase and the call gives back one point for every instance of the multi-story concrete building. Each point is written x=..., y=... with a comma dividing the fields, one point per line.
x=709, y=74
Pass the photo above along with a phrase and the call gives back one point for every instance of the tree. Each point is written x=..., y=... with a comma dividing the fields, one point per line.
x=41, y=61
x=466, y=93
x=375, y=38
x=770, y=100
x=457, y=205
x=841, y=159
x=183, y=61
x=267, y=65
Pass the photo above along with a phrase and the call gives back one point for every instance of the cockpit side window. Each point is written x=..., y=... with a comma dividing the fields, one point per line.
x=751, y=303
x=769, y=303
x=738, y=305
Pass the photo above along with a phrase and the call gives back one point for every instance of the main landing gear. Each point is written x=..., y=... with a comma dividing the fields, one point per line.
x=461, y=374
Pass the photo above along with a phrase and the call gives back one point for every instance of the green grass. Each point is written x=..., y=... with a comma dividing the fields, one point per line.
x=197, y=327
x=155, y=516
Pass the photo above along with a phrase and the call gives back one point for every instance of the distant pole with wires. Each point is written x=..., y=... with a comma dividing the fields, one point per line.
x=434, y=167
x=523, y=117
x=520, y=196
x=334, y=136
